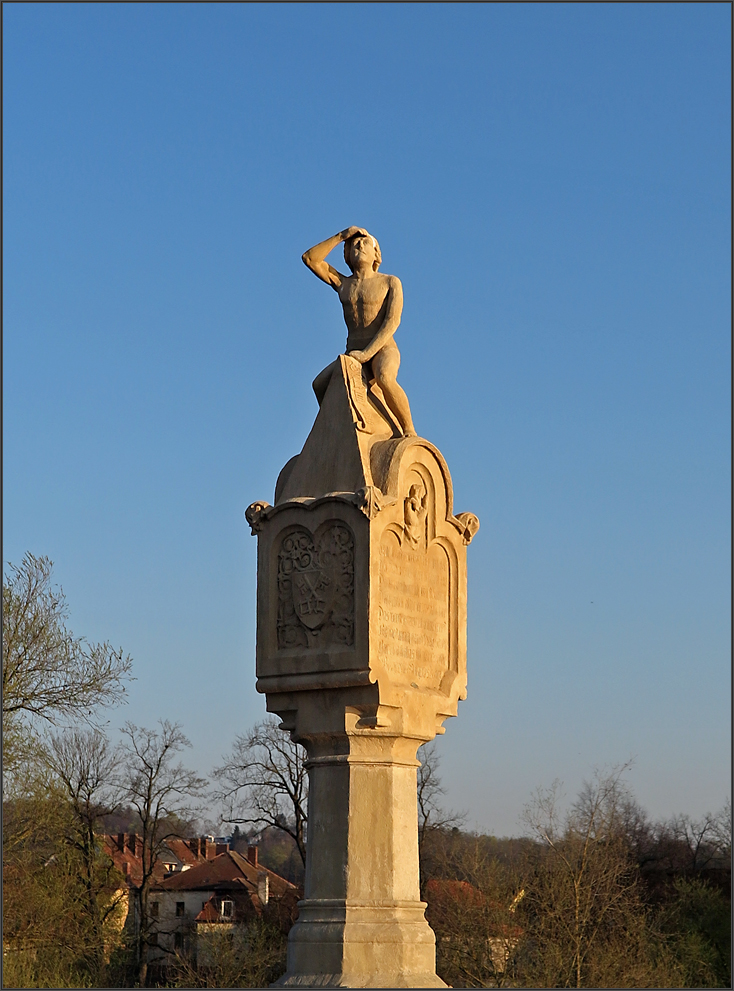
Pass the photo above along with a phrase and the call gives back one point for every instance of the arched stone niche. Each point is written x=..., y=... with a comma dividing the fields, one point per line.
x=418, y=573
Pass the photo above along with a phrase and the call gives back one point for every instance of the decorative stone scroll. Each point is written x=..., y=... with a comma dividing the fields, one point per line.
x=468, y=524
x=316, y=588
x=370, y=501
x=255, y=515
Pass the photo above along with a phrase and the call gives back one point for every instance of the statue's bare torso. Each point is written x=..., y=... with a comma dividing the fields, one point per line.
x=364, y=302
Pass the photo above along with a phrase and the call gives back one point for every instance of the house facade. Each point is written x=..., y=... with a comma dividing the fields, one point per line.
x=216, y=895
x=200, y=887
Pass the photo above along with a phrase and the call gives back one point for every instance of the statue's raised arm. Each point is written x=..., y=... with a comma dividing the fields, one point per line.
x=373, y=304
x=314, y=258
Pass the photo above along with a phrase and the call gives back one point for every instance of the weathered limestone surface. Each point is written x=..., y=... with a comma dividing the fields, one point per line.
x=361, y=651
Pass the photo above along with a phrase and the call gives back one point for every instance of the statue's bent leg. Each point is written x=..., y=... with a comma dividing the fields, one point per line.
x=385, y=365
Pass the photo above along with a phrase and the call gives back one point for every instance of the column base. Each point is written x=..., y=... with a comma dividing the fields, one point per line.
x=392, y=980
x=338, y=944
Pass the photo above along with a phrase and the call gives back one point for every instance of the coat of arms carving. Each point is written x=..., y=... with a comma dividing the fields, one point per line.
x=316, y=588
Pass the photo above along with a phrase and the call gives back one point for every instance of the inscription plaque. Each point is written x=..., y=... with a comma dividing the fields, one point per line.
x=413, y=621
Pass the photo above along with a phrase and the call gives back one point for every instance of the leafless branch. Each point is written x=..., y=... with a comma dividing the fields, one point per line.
x=264, y=782
x=48, y=673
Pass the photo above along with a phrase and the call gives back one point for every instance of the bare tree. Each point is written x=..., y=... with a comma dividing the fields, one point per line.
x=431, y=814
x=433, y=819
x=164, y=794
x=472, y=911
x=47, y=937
x=245, y=956
x=583, y=910
x=722, y=829
x=264, y=782
x=704, y=841
x=48, y=673
x=84, y=766
x=62, y=901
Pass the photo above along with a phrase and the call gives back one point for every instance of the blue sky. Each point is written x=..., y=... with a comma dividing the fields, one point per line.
x=551, y=184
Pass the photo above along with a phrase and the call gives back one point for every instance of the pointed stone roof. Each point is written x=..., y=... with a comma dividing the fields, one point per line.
x=336, y=455
x=354, y=452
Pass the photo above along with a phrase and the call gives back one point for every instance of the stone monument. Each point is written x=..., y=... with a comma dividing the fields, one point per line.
x=361, y=640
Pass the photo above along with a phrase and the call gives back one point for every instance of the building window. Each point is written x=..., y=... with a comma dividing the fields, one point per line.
x=177, y=941
x=227, y=910
x=154, y=906
x=180, y=908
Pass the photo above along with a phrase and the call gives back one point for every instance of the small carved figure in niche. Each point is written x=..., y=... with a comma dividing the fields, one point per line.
x=373, y=305
x=416, y=507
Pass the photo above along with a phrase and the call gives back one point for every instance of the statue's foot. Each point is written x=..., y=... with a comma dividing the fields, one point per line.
x=410, y=433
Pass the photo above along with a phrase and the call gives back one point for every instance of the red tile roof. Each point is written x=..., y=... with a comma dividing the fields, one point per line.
x=453, y=891
x=130, y=863
x=182, y=851
x=127, y=862
x=228, y=873
x=446, y=898
x=209, y=912
x=227, y=870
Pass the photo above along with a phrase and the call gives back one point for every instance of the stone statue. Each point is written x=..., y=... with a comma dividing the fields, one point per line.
x=361, y=640
x=373, y=305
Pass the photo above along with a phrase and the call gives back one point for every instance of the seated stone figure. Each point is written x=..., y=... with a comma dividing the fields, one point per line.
x=373, y=305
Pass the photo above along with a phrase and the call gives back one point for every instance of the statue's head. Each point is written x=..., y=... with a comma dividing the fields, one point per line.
x=362, y=248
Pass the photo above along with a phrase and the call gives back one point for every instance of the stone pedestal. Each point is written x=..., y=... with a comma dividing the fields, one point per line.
x=361, y=651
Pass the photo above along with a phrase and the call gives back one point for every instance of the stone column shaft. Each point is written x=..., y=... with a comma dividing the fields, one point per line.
x=361, y=921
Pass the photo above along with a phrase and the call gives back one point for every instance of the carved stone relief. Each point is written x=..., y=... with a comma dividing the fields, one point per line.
x=316, y=588
x=414, y=514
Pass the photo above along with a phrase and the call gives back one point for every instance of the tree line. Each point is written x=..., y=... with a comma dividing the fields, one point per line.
x=595, y=894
